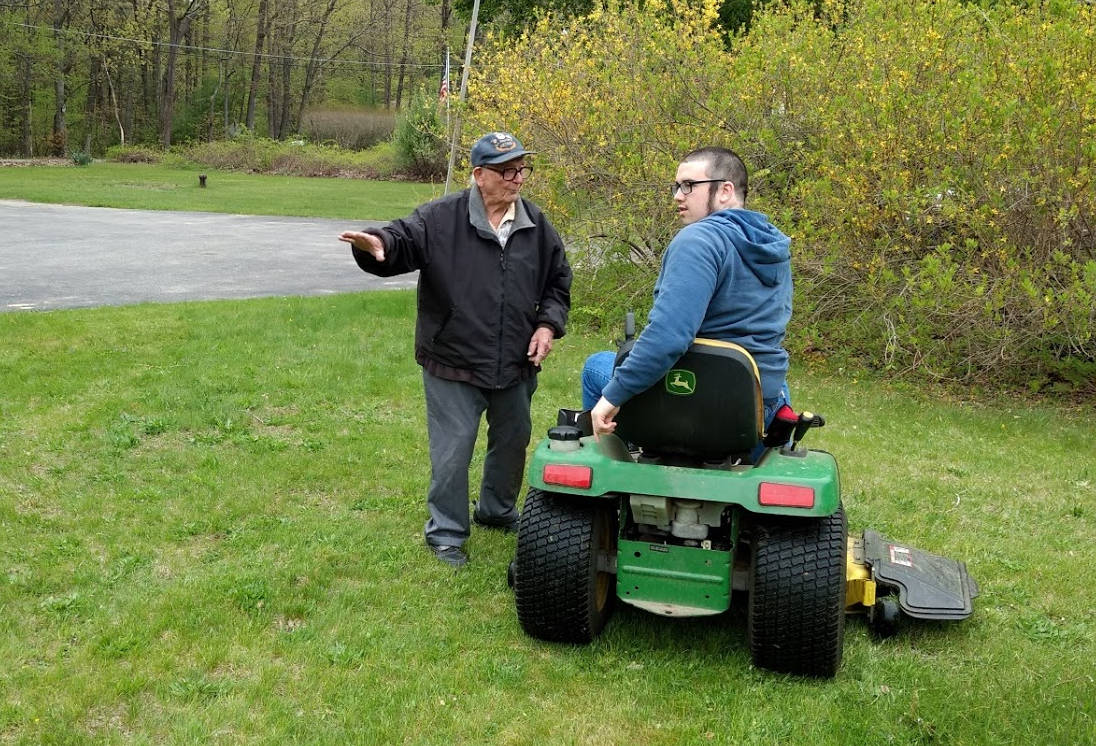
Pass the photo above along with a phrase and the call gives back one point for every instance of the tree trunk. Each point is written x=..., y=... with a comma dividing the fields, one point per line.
x=59, y=136
x=386, y=60
x=91, y=103
x=178, y=27
x=273, y=113
x=285, y=109
x=226, y=99
x=256, y=66
x=286, y=123
x=114, y=102
x=150, y=68
x=167, y=87
x=189, y=67
x=205, y=18
x=405, y=53
x=387, y=80
x=26, y=89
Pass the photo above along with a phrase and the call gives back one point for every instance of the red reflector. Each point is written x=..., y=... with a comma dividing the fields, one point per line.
x=568, y=476
x=786, y=495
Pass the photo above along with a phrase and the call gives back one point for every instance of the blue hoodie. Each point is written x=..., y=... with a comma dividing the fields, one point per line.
x=726, y=277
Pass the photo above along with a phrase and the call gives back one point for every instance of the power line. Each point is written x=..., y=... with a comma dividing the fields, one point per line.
x=194, y=48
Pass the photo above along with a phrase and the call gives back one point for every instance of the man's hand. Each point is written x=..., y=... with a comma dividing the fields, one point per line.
x=601, y=416
x=366, y=242
x=540, y=344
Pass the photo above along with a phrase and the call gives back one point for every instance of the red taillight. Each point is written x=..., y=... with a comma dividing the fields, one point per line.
x=566, y=475
x=785, y=495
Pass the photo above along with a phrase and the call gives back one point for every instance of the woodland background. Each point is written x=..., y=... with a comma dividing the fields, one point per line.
x=84, y=75
x=932, y=161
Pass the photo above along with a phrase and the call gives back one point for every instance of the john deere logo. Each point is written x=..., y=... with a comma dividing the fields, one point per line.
x=681, y=382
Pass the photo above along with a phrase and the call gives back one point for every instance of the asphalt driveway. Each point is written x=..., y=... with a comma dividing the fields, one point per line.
x=59, y=256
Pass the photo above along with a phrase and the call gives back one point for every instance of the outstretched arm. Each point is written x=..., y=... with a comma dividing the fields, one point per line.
x=366, y=242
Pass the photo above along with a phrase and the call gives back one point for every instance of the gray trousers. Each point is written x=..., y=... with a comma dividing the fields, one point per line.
x=453, y=412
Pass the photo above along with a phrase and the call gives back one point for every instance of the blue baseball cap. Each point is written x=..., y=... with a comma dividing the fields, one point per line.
x=497, y=147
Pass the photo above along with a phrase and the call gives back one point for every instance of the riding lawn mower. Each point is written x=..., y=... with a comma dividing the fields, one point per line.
x=691, y=503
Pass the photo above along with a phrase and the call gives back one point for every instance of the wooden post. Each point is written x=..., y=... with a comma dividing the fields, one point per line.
x=455, y=139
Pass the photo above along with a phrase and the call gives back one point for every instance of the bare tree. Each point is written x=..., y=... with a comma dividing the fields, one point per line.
x=61, y=15
x=178, y=27
x=320, y=55
x=256, y=64
x=406, y=50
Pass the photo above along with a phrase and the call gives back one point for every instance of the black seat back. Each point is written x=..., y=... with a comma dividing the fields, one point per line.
x=708, y=406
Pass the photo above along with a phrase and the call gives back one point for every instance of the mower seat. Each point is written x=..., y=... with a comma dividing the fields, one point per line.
x=707, y=407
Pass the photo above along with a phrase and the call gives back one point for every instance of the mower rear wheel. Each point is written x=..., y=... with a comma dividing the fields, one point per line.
x=796, y=608
x=561, y=593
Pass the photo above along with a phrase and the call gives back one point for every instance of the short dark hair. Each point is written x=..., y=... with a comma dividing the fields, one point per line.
x=725, y=164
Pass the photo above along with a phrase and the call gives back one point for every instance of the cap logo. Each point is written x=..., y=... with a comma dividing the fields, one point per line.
x=503, y=142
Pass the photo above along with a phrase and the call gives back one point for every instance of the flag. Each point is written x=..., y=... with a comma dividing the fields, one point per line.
x=443, y=93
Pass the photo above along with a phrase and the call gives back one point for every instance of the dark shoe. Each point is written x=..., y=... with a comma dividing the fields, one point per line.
x=452, y=556
x=509, y=527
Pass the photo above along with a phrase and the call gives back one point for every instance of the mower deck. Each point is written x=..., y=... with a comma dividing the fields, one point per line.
x=887, y=579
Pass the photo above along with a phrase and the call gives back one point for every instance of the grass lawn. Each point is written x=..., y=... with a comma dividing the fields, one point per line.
x=154, y=187
x=210, y=530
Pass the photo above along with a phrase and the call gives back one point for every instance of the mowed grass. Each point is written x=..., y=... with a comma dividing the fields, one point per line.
x=155, y=187
x=210, y=531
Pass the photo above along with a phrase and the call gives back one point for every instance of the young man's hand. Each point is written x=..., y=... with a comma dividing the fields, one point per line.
x=601, y=416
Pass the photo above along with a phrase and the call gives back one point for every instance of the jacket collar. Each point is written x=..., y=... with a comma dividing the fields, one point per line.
x=477, y=215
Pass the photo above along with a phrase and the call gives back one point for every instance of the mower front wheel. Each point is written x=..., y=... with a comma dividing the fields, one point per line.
x=562, y=587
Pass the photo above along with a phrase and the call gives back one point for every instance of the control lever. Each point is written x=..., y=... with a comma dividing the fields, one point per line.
x=807, y=420
x=780, y=429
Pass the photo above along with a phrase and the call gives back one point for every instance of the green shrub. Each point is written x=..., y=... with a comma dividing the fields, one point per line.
x=252, y=154
x=295, y=157
x=932, y=161
x=134, y=154
x=419, y=139
x=81, y=157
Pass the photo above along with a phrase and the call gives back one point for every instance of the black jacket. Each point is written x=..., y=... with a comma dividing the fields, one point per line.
x=478, y=303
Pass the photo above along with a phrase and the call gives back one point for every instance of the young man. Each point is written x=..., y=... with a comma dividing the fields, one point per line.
x=726, y=275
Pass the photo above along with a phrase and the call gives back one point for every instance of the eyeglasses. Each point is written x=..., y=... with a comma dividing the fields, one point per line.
x=511, y=174
x=686, y=186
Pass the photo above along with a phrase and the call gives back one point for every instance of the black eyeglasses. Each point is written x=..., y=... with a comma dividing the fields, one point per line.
x=686, y=186
x=511, y=174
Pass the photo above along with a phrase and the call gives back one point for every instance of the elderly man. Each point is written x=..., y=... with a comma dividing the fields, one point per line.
x=726, y=275
x=493, y=294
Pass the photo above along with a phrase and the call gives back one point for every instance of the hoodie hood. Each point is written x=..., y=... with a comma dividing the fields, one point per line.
x=766, y=251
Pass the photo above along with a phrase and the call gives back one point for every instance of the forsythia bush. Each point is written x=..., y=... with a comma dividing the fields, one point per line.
x=609, y=102
x=932, y=161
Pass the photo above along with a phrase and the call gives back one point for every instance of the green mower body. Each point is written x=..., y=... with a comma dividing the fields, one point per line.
x=680, y=525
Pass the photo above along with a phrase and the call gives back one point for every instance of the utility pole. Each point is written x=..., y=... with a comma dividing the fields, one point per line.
x=455, y=137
